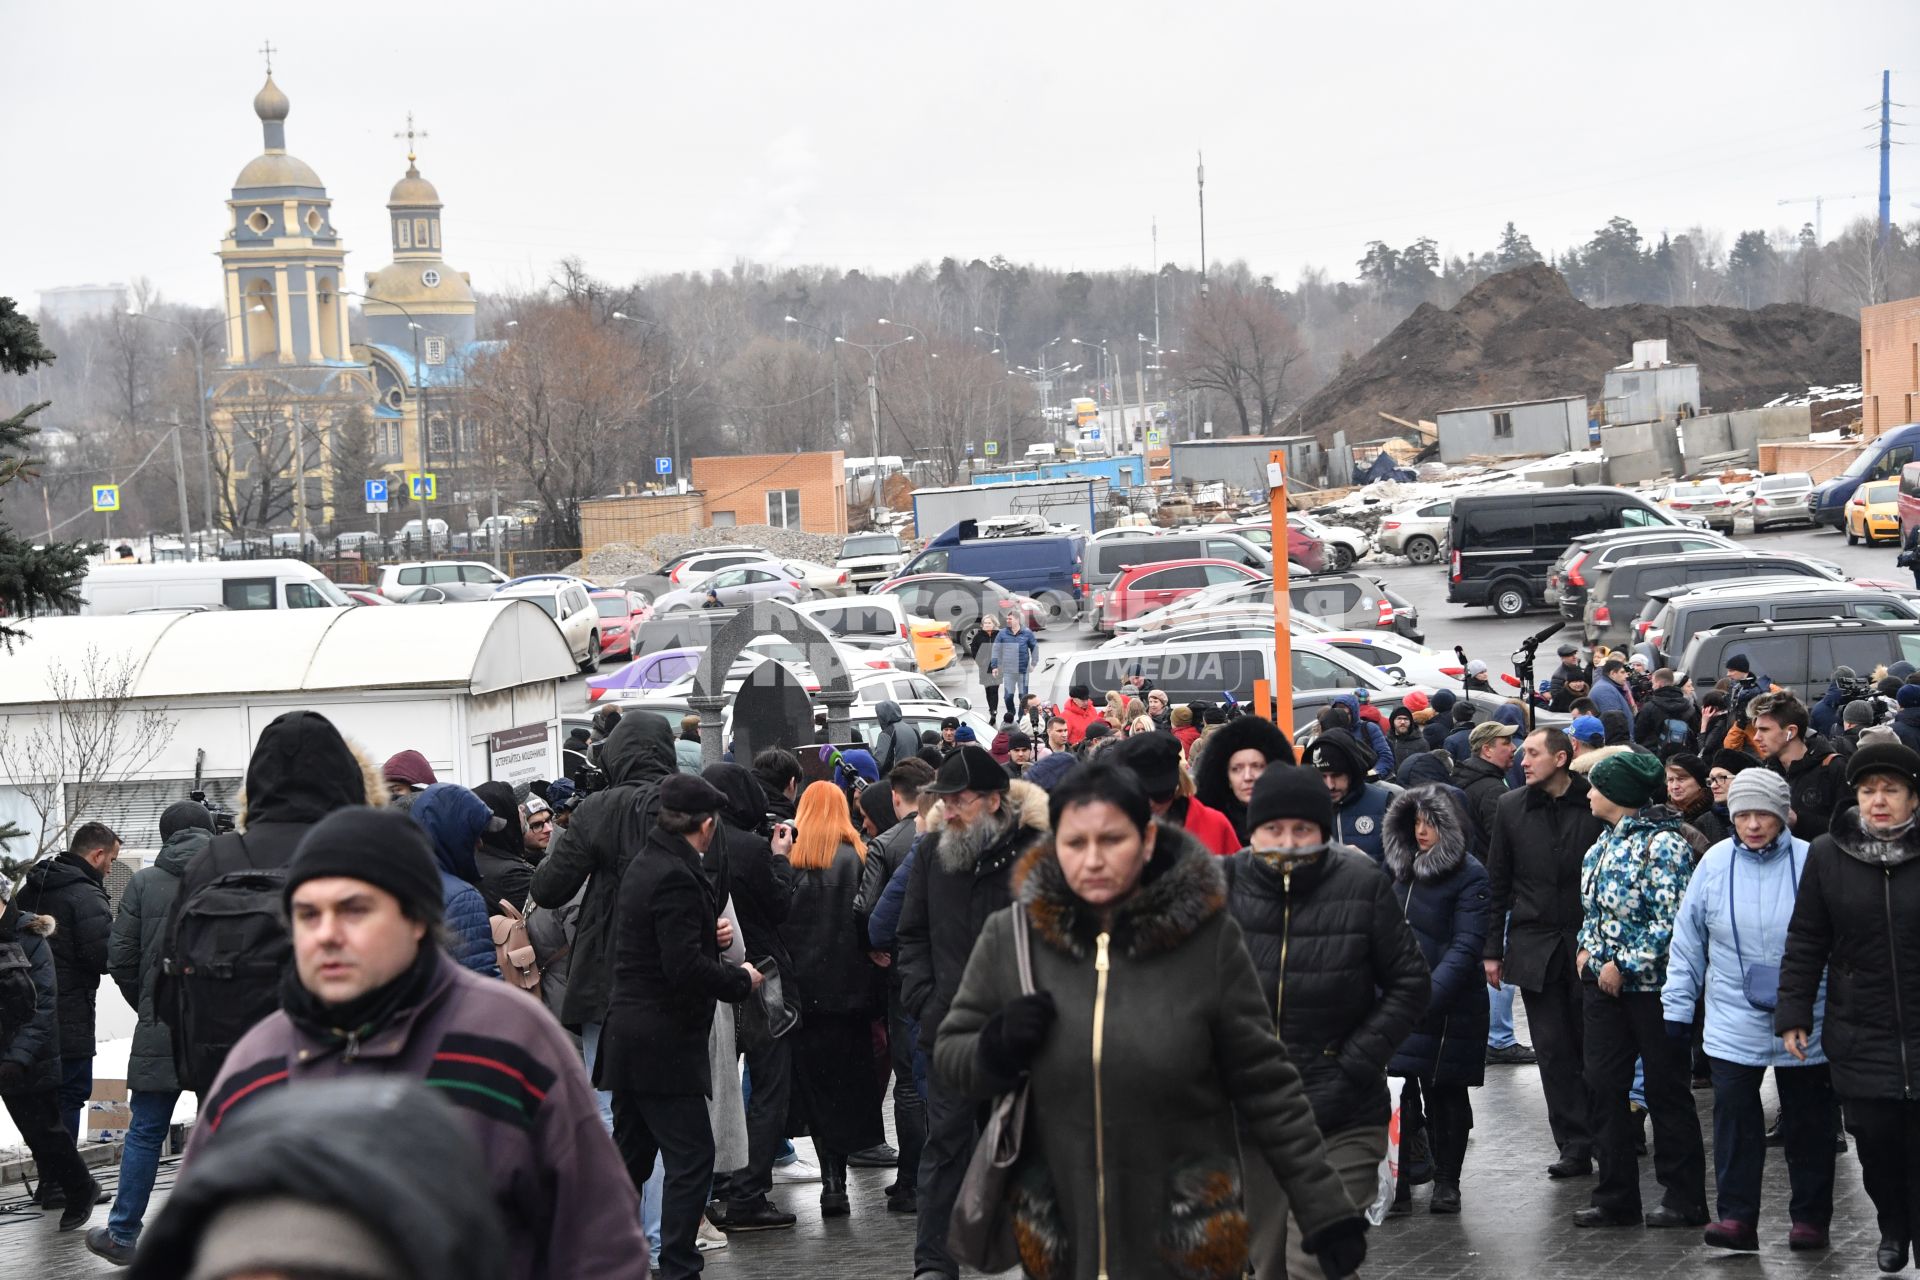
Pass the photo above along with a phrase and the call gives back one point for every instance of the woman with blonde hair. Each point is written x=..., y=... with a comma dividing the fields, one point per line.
x=836, y=1093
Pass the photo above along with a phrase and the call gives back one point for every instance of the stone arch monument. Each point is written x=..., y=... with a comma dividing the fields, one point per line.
x=709, y=696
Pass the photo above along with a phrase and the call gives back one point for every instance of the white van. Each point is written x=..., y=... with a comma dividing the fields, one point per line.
x=208, y=584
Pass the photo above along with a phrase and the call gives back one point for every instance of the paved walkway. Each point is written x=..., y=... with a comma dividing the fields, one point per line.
x=1515, y=1223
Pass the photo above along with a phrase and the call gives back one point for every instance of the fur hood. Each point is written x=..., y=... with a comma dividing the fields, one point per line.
x=1181, y=889
x=13, y=919
x=1442, y=808
x=1851, y=835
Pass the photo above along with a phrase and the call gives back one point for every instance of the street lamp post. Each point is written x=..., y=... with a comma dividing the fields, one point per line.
x=833, y=345
x=199, y=336
x=673, y=411
x=426, y=443
x=873, y=350
x=932, y=355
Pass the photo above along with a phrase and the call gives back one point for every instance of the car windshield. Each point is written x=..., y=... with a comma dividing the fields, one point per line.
x=1862, y=464
x=550, y=603
x=1698, y=489
x=1887, y=492
x=1774, y=484
x=610, y=607
x=878, y=544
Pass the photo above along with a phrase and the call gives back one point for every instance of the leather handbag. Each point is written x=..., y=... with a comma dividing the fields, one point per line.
x=767, y=1014
x=980, y=1233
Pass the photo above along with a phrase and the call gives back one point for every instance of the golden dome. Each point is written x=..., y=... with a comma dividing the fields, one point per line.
x=270, y=103
x=414, y=191
x=405, y=283
x=277, y=169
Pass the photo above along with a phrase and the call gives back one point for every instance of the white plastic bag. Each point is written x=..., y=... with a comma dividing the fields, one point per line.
x=1389, y=1163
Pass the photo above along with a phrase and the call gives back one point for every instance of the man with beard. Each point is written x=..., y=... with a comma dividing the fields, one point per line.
x=959, y=878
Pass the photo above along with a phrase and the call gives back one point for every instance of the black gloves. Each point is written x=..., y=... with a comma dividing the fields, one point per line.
x=1339, y=1247
x=1012, y=1037
x=13, y=1075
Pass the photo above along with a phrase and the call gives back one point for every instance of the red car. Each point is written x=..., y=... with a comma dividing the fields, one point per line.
x=621, y=613
x=365, y=595
x=1145, y=587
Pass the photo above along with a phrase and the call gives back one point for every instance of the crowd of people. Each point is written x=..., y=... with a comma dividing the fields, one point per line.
x=609, y=1002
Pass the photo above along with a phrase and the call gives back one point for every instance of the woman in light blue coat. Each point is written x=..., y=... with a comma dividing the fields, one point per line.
x=1727, y=943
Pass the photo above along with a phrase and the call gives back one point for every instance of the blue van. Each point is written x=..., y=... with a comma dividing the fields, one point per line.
x=1881, y=458
x=1049, y=567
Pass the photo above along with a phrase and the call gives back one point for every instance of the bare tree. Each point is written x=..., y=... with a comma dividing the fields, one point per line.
x=94, y=736
x=1240, y=344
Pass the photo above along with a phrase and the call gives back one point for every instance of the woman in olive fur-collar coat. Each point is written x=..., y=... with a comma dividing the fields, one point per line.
x=1187, y=1042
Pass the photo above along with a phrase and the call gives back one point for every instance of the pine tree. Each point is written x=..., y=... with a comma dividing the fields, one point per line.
x=32, y=579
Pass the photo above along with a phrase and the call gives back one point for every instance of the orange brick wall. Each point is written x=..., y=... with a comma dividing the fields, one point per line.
x=1821, y=461
x=1889, y=365
x=740, y=485
x=637, y=519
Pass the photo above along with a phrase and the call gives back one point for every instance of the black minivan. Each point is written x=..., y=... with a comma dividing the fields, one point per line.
x=1504, y=544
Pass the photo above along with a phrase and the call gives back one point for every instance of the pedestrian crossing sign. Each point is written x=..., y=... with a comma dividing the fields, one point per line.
x=1154, y=438
x=420, y=486
x=993, y=448
x=106, y=497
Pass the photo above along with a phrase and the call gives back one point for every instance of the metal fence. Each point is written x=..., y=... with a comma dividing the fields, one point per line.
x=354, y=557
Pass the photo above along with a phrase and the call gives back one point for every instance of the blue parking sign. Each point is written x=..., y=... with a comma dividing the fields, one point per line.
x=376, y=491
x=663, y=466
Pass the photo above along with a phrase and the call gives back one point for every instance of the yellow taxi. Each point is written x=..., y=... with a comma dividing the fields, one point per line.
x=932, y=643
x=1874, y=512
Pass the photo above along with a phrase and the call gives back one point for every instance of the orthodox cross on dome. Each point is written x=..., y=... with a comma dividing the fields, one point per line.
x=267, y=51
x=410, y=135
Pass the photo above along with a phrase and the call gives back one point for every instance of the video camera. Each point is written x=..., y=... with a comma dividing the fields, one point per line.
x=224, y=819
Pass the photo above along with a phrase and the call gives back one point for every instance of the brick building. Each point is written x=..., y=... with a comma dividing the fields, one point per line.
x=806, y=491
x=1889, y=365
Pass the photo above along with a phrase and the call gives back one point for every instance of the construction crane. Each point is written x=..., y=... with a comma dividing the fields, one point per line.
x=1819, y=229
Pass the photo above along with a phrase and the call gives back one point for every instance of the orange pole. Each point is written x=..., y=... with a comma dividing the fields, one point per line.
x=1282, y=600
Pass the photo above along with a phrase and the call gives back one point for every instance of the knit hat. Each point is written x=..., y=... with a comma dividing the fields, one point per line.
x=409, y=767
x=274, y=1234
x=861, y=761
x=1732, y=761
x=1629, y=779
x=1080, y=691
x=1857, y=712
x=1401, y=712
x=1154, y=757
x=1463, y=712
x=1909, y=696
x=1098, y=729
x=1290, y=791
x=1046, y=774
x=1760, y=790
x=1887, y=686
x=1415, y=701
x=1443, y=700
x=1738, y=662
x=1901, y=669
x=1692, y=765
x=1843, y=673
x=1337, y=751
x=1476, y=668
x=1019, y=740
x=1895, y=758
x=1587, y=729
x=1183, y=717
x=387, y=850
x=965, y=733
x=182, y=815
x=1002, y=744
x=1639, y=660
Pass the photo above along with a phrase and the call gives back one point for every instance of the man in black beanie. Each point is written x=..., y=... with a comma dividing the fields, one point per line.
x=371, y=992
x=1322, y=924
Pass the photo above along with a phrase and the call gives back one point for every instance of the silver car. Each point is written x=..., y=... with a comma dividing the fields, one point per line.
x=1419, y=533
x=1782, y=499
x=731, y=588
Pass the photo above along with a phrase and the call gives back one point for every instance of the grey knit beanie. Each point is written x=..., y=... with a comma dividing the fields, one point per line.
x=1758, y=790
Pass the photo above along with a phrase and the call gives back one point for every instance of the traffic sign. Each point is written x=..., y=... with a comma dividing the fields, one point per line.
x=1155, y=437
x=1093, y=433
x=969, y=448
x=663, y=466
x=376, y=491
x=106, y=497
x=421, y=486
x=993, y=448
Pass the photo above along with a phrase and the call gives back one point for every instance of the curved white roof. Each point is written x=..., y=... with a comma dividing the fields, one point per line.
x=479, y=647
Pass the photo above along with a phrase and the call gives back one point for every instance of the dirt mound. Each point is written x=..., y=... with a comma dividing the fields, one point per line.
x=1522, y=335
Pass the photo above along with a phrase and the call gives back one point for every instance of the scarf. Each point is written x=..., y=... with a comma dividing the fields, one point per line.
x=337, y=1024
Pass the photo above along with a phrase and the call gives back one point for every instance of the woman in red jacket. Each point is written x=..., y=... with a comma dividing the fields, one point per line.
x=1079, y=713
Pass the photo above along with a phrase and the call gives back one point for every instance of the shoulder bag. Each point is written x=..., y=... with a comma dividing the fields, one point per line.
x=980, y=1233
x=1759, y=982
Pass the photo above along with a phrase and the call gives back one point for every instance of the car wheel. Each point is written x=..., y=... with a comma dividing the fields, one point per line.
x=1061, y=608
x=1422, y=550
x=592, y=664
x=1853, y=539
x=1338, y=557
x=1509, y=600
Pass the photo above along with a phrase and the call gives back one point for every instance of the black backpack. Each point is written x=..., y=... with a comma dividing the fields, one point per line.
x=17, y=994
x=227, y=950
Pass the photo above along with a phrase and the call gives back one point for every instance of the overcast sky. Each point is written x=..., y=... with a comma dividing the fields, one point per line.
x=658, y=137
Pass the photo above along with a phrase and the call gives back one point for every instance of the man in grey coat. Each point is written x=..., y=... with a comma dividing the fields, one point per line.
x=134, y=957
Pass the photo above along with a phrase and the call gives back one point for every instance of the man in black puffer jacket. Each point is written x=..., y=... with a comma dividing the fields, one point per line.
x=607, y=830
x=70, y=889
x=762, y=882
x=1666, y=717
x=1345, y=978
